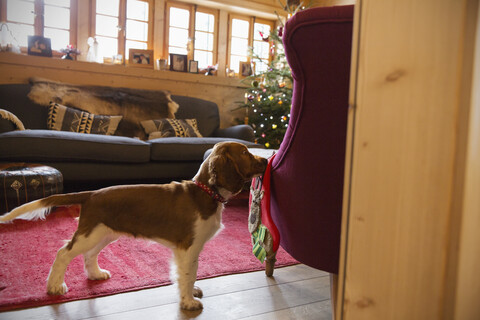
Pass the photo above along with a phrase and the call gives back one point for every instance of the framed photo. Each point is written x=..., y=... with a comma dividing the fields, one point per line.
x=141, y=58
x=193, y=66
x=246, y=69
x=39, y=46
x=178, y=62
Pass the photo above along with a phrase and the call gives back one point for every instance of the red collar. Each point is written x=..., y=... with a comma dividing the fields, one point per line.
x=215, y=195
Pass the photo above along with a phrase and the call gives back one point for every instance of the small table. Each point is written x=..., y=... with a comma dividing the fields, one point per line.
x=24, y=182
x=264, y=153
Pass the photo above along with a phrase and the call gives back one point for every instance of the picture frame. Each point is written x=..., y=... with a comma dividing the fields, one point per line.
x=245, y=69
x=193, y=66
x=140, y=58
x=178, y=62
x=39, y=46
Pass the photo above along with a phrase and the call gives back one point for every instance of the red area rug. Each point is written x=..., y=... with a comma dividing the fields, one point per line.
x=28, y=249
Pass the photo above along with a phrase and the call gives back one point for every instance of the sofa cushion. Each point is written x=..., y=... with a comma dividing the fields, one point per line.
x=163, y=128
x=186, y=149
x=62, y=118
x=49, y=145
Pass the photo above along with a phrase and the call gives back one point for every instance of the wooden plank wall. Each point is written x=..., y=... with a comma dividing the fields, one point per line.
x=413, y=141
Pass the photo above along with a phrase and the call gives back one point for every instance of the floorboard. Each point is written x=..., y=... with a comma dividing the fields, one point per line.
x=295, y=292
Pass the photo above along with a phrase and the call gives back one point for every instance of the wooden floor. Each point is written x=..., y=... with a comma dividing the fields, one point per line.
x=296, y=292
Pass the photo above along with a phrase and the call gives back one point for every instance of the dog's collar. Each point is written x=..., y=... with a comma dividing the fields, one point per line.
x=215, y=195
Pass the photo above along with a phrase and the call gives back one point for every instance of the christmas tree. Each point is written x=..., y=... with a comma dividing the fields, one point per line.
x=269, y=95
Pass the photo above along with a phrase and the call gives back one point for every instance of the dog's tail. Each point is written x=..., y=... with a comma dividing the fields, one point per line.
x=39, y=209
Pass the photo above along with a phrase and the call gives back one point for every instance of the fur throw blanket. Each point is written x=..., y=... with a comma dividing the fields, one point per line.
x=135, y=105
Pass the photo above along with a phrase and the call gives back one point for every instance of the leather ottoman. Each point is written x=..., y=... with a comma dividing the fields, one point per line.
x=24, y=182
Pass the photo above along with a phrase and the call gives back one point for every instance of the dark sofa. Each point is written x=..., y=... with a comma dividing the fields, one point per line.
x=91, y=160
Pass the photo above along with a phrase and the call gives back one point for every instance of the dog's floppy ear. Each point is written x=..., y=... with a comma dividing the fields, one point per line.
x=224, y=174
x=214, y=163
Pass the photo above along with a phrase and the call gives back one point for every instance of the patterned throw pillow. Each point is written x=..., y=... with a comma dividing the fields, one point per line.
x=163, y=128
x=62, y=118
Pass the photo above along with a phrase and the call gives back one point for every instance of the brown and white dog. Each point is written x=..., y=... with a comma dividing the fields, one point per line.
x=182, y=216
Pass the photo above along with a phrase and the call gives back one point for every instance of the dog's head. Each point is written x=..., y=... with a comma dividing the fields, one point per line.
x=231, y=165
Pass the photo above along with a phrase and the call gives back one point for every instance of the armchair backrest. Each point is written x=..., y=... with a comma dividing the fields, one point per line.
x=308, y=171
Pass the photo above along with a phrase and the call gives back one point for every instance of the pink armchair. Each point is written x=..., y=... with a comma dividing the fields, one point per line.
x=308, y=171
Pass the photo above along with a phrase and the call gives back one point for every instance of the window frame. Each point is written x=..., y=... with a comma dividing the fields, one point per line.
x=39, y=24
x=122, y=26
x=252, y=20
x=193, y=9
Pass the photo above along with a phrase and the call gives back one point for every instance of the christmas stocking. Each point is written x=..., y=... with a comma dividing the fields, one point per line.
x=265, y=235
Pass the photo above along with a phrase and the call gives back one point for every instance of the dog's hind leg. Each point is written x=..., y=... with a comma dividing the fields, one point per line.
x=94, y=272
x=79, y=244
x=187, y=266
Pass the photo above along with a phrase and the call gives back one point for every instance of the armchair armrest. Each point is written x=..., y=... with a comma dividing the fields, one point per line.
x=241, y=131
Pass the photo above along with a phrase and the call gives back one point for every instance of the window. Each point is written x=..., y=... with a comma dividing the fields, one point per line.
x=54, y=19
x=192, y=30
x=178, y=29
x=204, y=48
x=239, y=42
x=246, y=33
x=137, y=33
x=121, y=25
x=261, y=45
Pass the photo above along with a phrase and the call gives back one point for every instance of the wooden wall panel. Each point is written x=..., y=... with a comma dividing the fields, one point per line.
x=407, y=83
x=329, y=3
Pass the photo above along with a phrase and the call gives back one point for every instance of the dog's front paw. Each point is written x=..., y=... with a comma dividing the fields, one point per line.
x=100, y=274
x=58, y=289
x=197, y=292
x=191, y=305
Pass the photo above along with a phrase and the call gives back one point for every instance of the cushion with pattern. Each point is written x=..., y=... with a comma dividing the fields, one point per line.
x=163, y=128
x=63, y=118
